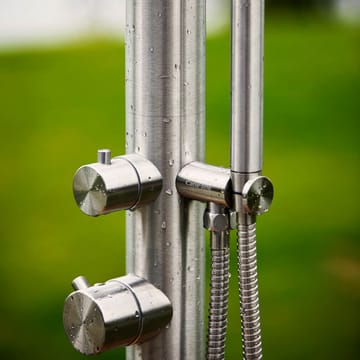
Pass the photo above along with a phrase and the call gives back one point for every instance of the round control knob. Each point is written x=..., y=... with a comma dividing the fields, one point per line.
x=125, y=182
x=120, y=312
x=257, y=195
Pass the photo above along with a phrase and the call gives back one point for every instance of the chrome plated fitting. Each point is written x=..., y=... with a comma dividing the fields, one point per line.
x=124, y=182
x=253, y=194
x=207, y=183
x=218, y=221
x=122, y=311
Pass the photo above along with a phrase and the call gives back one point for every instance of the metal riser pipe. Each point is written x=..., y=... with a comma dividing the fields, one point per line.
x=165, y=109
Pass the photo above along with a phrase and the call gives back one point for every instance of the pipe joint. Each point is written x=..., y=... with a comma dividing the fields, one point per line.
x=207, y=183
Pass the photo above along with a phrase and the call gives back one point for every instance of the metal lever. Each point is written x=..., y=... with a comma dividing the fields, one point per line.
x=121, y=312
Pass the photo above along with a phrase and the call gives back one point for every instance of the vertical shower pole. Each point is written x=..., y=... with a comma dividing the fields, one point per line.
x=165, y=123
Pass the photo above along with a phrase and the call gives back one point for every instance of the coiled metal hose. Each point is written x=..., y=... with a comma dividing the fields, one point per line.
x=249, y=297
x=219, y=293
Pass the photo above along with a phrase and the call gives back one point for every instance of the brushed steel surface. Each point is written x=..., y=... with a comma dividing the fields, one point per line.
x=247, y=53
x=125, y=182
x=203, y=182
x=257, y=195
x=80, y=283
x=120, y=312
x=104, y=156
x=165, y=109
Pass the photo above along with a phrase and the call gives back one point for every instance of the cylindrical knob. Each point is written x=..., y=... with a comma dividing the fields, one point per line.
x=80, y=283
x=257, y=195
x=120, y=312
x=125, y=182
x=104, y=156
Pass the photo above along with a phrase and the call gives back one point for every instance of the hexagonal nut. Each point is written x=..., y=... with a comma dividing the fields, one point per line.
x=216, y=222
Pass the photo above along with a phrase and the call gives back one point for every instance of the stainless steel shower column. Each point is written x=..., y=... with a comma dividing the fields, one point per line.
x=165, y=110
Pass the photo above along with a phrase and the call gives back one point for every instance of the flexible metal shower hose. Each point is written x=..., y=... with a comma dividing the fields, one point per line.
x=219, y=292
x=249, y=297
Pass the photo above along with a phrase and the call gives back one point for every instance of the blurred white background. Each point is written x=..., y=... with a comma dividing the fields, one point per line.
x=25, y=22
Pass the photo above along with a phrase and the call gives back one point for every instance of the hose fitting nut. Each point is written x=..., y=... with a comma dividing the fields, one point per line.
x=216, y=221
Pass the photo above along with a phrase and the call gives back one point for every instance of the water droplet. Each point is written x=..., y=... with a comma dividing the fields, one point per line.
x=176, y=66
x=198, y=278
x=168, y=244
x=169, y=192
x=138, y=148
x=132, y=107
x=155, y=264
x=159, y=14
x=157, y=212
x=171, y=162
x=137, y=314
x=166, y=120
x=163, y=225
x=151, y=49
x=186, y=83
x=190, y=269
x=109, y=296
x=145, y=134
x=188, y=31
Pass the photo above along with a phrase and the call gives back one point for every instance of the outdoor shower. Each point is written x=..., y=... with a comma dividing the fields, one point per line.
x=164, y=184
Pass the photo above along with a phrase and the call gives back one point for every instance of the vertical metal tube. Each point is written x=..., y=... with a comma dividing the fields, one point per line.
x=165, y=109
x=247, y=56
x=247, y=44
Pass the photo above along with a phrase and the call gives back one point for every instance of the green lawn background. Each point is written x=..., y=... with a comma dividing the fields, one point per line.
x=58, y=106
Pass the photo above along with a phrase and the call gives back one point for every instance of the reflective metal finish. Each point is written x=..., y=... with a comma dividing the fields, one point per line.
x=120, y=312
x=257, y=195
x=80, y=283
x=124, y=182
x=252, y=194
x=165, y=108
x=247, y=52
x=199, y=181
x=216, y=219
x=104, y=156
x=249, y=293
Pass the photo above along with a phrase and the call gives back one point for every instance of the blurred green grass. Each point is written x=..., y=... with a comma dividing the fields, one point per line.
x=58, y=106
